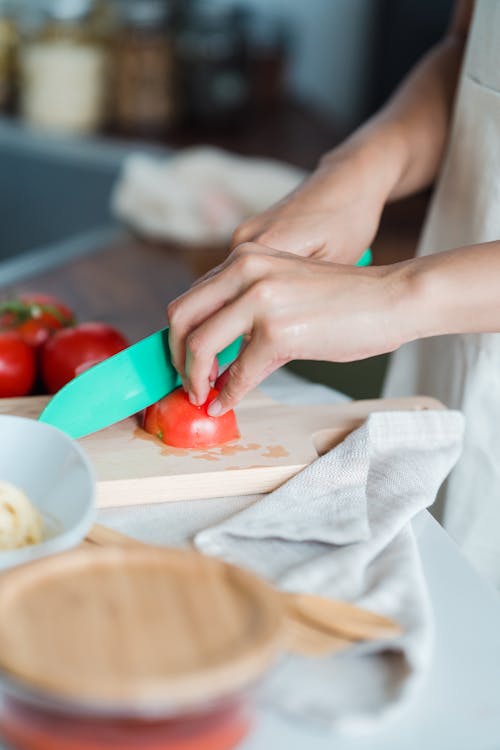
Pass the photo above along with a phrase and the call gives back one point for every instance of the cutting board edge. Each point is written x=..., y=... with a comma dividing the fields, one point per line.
x=121, y=493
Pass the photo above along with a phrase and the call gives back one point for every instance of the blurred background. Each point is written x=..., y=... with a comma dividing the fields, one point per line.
x=144, y=63
x=84, y=82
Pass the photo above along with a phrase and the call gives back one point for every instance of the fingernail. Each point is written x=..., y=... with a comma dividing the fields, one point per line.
x=193, y=398
x=214, y=408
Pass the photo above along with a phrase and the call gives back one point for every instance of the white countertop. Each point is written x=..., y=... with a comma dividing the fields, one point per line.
x=458, y=707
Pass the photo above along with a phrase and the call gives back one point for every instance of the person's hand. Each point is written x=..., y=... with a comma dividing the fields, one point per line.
x=289, y=308
x=334, y=215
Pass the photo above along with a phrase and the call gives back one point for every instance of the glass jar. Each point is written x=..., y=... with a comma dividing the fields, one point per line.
x=63, y=66
x=30, y=721
x=128, y=647
x=212, y=53
x=8, y=47
x=143, y=68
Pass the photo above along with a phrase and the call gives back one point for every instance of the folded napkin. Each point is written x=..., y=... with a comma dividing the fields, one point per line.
x=199, y=195
x=341, y=528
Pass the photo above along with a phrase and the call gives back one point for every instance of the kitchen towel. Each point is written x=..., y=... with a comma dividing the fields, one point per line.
x=198, y=196
x=341, y=528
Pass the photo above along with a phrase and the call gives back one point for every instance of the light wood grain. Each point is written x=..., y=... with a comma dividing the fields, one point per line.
x=141, y=627
x=340, y=618
x=277, y=441
x=314, y=625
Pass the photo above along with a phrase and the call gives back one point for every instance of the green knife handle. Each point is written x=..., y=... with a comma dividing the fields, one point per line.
x=366, y=258
x=230, y=353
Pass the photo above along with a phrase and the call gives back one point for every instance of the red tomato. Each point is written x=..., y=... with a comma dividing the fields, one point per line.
x=35, y=316
x=17, y=365
x=52, y=310
x=71, y=350
x=177, y=422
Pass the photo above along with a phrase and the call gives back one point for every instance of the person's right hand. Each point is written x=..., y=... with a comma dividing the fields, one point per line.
x=333, y=216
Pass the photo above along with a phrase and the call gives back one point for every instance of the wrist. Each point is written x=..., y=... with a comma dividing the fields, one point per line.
x=417, y=297
x=376, y=153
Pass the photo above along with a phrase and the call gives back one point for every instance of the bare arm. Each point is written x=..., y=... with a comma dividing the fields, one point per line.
x=301, y=308
x=335, y=214
x=411, y=130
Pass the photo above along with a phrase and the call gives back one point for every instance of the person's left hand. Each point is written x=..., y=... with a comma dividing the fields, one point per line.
x=288, y=307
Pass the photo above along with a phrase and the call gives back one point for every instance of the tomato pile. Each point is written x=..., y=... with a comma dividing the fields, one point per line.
x=42, y=347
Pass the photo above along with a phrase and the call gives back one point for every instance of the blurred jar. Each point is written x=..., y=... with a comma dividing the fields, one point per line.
x=63, y=67
x=8, y=48
x=212, y=53
x=268, y=42
x=143, y=68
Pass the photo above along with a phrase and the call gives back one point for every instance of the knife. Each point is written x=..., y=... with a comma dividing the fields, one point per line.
x=119, y=386
x=124, y=384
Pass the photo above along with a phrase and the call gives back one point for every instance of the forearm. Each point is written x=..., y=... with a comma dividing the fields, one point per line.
x=450, y=292
x=401, y=147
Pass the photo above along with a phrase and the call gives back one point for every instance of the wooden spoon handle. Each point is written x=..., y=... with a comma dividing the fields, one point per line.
x=341, y=618
x=315, y=625
x=103, y=536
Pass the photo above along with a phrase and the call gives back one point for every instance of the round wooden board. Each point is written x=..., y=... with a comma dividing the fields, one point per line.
x=143, y=627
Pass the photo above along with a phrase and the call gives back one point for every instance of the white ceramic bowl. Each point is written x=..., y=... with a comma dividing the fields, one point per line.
x=57, y=477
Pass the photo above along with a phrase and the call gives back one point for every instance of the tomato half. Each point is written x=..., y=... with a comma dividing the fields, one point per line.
x=35, y=316
x=17, y=365
x=177, y=422
x=71, y=350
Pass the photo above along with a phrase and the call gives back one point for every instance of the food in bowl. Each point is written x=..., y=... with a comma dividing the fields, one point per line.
x=20, y=522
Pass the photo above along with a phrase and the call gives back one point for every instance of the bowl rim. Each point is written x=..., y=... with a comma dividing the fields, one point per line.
x=69, y=537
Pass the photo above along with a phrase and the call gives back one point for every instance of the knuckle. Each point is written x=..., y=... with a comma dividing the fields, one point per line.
x=241, y=233
x=269, y=332
x=195, y=343
x=264, y=291
x=243, y=249
x=248, y=262
x=173, y=313
x=237, y=382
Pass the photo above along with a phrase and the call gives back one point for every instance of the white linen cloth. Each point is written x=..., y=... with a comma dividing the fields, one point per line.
x=340, y=528
x=198, y=196
x=463, y=371
x=352, y=690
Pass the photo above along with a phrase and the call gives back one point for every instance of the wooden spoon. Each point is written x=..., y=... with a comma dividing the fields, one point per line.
x=315, y=625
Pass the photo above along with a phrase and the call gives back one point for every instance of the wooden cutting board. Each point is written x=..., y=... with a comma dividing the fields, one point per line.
x=276, y=442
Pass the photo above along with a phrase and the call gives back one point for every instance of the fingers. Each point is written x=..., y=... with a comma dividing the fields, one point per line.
x=245, y=265
x=255, y=363
x=214, y=371
x=190, y=309
x=213, y=335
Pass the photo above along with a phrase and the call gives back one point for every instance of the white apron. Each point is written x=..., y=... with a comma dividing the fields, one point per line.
x=463, y=371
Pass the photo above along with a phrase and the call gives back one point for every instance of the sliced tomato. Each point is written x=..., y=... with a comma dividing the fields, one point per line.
x=17, y=365
x=72, y=350
x=177, y=422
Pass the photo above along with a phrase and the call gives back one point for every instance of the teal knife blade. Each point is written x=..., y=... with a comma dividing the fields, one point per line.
x=119, y=386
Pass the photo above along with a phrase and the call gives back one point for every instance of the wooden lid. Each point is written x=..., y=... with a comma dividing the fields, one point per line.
x=139, y=627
